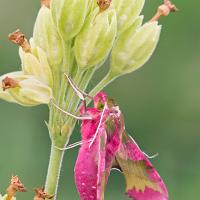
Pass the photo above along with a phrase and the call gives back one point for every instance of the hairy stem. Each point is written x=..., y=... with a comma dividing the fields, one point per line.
x=53, y=174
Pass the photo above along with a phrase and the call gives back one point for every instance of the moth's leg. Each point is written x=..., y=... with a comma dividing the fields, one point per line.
x=81, y=94
x=71, y=146
x=72, y=115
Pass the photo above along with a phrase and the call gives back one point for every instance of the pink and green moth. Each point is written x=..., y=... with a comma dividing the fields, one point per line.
x=105, y=146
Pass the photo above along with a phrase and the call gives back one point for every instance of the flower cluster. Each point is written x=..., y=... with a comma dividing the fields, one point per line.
x=77, y=39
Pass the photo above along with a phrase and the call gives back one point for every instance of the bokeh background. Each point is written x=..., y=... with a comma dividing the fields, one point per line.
x=160, y=102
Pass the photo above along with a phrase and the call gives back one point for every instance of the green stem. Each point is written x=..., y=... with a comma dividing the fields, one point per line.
x=55, y=163
x=103, y=83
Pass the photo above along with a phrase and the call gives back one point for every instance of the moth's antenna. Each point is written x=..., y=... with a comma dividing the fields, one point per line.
x=71, y=146
x=100, y=121
x=150, y=157
x=81, y=94
x=71, y=115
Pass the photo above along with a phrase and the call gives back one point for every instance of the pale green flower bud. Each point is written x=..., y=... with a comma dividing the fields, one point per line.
x=94, y=42
x=25, y=89
x=127, y=12
x=45, y=36
x=4, y=94
x=69, y=16
x=36, y=64
x=134, y=48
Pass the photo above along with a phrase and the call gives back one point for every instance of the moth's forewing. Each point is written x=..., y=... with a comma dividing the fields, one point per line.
x=142, y=180
x=89, y=169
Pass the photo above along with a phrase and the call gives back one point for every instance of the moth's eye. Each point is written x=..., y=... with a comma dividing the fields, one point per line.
x=100, y=106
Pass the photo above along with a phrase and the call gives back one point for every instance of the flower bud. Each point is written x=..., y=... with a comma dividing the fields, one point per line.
x=69, y=16
x=25, y=89
x=36, y=64
x=134, y=48
x=96, y=39
x=4, y=94
x=127, y=12
x=45, y=36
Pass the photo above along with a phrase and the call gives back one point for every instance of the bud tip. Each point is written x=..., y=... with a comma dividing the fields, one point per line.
x=40, y=194
x=164, y=10
x=46, y=3
x=103, y=4
x=17, y=37
x=14, y=187
x=9, y=83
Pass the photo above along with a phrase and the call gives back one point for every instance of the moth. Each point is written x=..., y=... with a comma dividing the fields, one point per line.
x=105, y=146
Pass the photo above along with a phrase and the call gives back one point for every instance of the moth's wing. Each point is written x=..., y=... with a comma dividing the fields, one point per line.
x=90, y=168
x=142, y=180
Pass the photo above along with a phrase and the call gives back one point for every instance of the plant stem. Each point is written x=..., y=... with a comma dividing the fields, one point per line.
x=103, y=83
x=55, y=163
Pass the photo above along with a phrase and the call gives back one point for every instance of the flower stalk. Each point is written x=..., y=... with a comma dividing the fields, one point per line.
x=75, y=40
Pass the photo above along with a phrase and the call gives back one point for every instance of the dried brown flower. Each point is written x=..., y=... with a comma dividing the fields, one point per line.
x=40, y=194
x=164, y=10
x=17, y=37
x=46, y=3
x=9, y=83
x=104, y=4
x=14, y=187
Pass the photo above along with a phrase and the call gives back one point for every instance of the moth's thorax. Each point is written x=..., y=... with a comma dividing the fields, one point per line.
x=105, y=115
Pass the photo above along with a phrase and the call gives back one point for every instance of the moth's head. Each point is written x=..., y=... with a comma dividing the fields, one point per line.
x=100, y=100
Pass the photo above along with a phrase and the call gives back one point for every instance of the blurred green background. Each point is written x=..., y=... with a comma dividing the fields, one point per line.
x=160, y=102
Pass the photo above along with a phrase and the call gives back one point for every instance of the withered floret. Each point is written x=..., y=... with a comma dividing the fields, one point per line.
x=14, y=187
x=8, y=83
x=164, y=10
x=40, y=194
x=104, y=4
x=17, y=37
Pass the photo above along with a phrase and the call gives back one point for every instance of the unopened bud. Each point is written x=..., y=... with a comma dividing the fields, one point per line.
x=127, y=12
x=25, y=89
x=19, y=38
x=37, y=65
x=94, y=42
x=134, y=48
x=69, y=16
x=45, y=36
x=4, y=94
